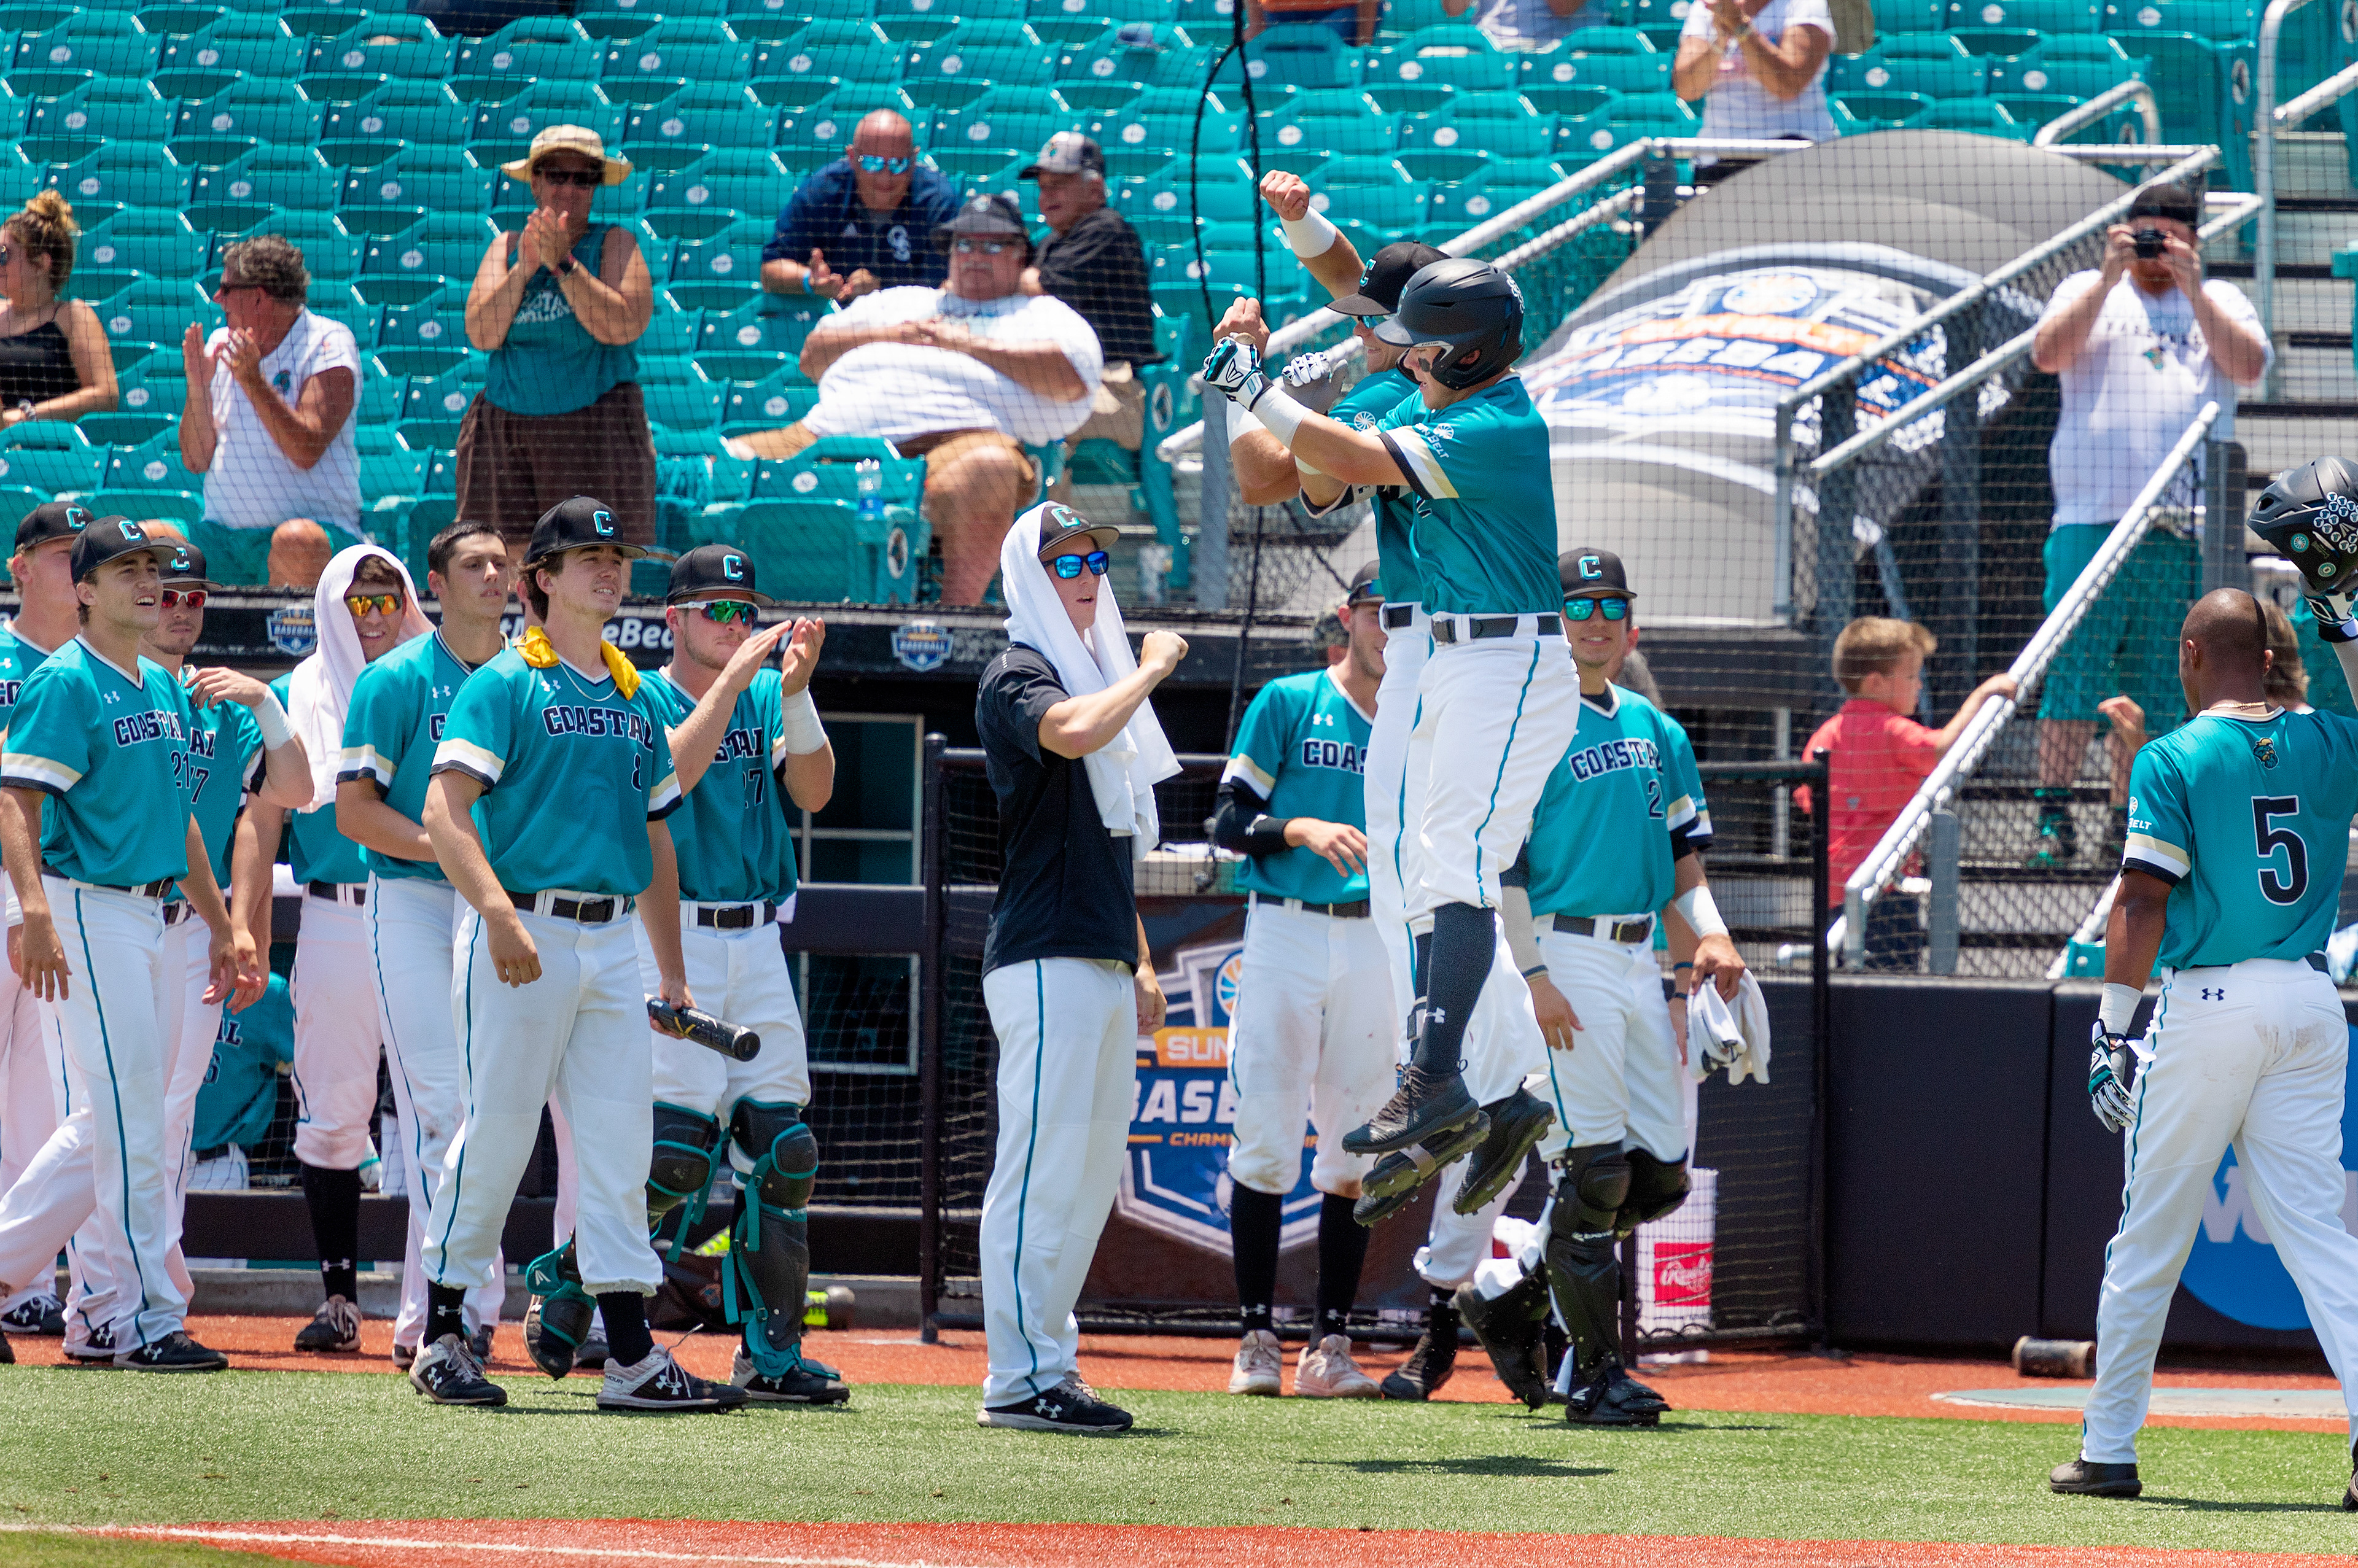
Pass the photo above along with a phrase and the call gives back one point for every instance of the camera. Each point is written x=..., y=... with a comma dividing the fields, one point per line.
x=2150, y=244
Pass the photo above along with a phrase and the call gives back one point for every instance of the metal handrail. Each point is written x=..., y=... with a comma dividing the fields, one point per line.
x=2096, y=108
x=2267, y=118
x=1861, y=887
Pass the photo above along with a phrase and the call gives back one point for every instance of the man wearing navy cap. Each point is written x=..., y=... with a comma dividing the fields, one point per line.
x=1092, y=260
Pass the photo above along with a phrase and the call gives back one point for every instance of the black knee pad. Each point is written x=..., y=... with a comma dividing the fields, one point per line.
x=1657, y=1188
x=1583, y=1274
x=784, y=1153
x=1592, y=1185
x=681, y=1169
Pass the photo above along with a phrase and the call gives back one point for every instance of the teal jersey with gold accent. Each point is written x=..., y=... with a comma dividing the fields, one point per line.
x=1302, y=749
x=399, y=707
x=1619, y=810
x=224, y=751
x=239, y=1094
x=1363, y=408
x=2248, y=821
x=572, y=770
x=733, y=840
x=19, y=659
x=1483, y=518
x=316, y=849
x=110, y=747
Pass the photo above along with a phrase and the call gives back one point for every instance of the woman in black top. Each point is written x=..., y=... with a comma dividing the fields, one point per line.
x=54, y=359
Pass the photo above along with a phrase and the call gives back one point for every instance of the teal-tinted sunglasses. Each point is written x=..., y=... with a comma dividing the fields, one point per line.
x=1581, y=609
x=726, y=611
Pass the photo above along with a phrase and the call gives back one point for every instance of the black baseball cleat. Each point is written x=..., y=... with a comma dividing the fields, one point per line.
x=1517, y=1123
x=2085, y=1478
x=7, y=1355
x=1397, y=1175
x=38, y=1314
x=657, y=1385
x=1071, y=1406
x=94, y=1349
x=2350, y=1497
x=1424, y=1107
x=334, y=1329
x=806, y=1382
x=176, y=1352
x=1508, y=1327
x=1613, y=1398
x=1370, y=1210
x=1430, y=1364
x=448, y=1373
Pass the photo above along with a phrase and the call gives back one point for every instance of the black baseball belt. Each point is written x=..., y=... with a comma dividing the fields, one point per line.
x=1479, y=627
x=1606, y=928
x=588, y=911
x=1355, y=910
x=734, y=916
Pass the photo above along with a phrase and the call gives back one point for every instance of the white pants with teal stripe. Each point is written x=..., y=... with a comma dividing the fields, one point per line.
x=32, y=1099
x=1068, y=1077
x=2252, y=1054
x=1493, y=720
x=336, y=1034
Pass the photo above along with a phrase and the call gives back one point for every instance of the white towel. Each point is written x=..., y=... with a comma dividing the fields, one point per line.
x=1124, y=771
x=320, y=689
x=1735, y=1032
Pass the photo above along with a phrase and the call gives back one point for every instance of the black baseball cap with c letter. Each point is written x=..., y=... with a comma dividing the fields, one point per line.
x=109, y=538
x=184, y=566
x=1592, y=574
x=581, y=524
x=714, y=571
x=51, y=520
x=1363, y=588
x=1381, y=284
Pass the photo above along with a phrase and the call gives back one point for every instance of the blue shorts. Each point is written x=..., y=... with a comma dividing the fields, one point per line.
x=2127, y=643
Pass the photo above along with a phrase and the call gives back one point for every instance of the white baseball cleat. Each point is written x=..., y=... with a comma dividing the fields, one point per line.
x=1259, y=1362
x=1327, y=1372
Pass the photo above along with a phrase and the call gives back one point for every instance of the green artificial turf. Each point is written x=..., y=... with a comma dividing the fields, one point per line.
x=96, y=1449
x=29, y=1550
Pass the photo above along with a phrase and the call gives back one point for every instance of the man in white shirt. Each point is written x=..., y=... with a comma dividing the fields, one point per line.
x=965, y=376
x=1758, y=67
x=268, y=419
x=2141, y=344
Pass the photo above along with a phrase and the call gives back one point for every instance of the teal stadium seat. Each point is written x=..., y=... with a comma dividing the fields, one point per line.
x=120, y=175
x=1296, y=54
x=431, y=407
x=722, y=271
x=397, y=193
x=2042, y=16
x=397, y=115
x=234, y=199
x=772, y=403
x=754, y=21
x=1501, y=125
x=951, y=72
x=1067, y=22
x=1416, y=81
x=530, y=49
x=654, y=65
x=701, y=200
x=148, y=397
x=243, y=116
x=1980, y=116
x=805, y=139
x=69, y=465
x=608, y=20
x=833, y=469
x=795, y=75
x=322, y=18
x=702, y=118
x=1165, y=117
x=67, y=130
x=1116, y=65
x=384, y=48
x=134, y=243
x=756, y=341
x=1938, y=66
x=150, y=481
x=1885, y=110
x=906, y=22
x=2082, y=65
x=499, y=133
x=330, y=253
x=824, y=552
x=2222, y=21
x=1003, y=125
x=236, y=48
x=1553, y=83
x=441, y=252
x=96, y=43
x=2201, y=81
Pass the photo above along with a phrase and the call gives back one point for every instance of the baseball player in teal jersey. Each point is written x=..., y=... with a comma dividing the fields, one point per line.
x=1496, y=700
x=97, y=752
x=32, y=1071
x=399, y=707
x=747, y=742
x=2239, y=834
x=239, y=1094
x=1311, y=1032
x=362, y=609
x=1614, y=846
x=546, y=811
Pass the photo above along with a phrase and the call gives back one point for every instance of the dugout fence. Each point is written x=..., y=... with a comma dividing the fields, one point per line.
x=1163, y=1270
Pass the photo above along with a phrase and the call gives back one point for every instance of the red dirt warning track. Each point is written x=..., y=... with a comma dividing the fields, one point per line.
x=650, y=1543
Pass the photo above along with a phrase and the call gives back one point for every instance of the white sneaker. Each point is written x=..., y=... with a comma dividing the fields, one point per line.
x=1259, y=1362
x=1327, y=1372
x=661, y=1385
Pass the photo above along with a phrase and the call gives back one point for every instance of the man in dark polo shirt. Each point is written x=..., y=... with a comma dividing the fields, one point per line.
x=1072, y=751
x=1093, y=262
x=863, y=222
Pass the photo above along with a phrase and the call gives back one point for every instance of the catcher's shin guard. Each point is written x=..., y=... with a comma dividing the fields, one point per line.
x=558, y=1319
x=681, y=1170
x=1510, y=1328
x=768, y=1268
x=1657, y=1188
x=1583, y=1274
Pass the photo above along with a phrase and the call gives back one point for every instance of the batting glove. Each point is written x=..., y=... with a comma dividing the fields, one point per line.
x=2108, y=1078
x=2334, y=622
x=1312, y=379
x=1233, y=370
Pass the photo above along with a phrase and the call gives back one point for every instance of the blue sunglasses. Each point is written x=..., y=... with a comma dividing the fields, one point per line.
x=875, y=164
x=1581, y=609
x=1069, y=566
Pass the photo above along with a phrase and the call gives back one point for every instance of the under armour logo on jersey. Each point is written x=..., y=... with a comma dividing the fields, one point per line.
x=1325, y=718
x=2214, y=993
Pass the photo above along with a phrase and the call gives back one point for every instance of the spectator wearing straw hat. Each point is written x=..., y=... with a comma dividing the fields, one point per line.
x=557, y=307
x=1092, y=260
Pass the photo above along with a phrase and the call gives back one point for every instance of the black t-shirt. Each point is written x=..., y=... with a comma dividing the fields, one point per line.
x=1099, y=268
x=1064, y=887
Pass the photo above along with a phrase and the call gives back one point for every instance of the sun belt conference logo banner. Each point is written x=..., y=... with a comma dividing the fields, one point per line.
x=1174, y=1180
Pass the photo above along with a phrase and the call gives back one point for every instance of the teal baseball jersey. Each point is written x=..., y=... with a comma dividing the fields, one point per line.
x=732, y=838
x=570, y=768
x=1302, y=749
x=1363, y=408
x=2249, y=824
x=239, y=1094
x=399, y=706
x=1482, y=522
x=19, y=659
x=316, y=849
x=1620, y=809
x=224, y=761
x=111, y=749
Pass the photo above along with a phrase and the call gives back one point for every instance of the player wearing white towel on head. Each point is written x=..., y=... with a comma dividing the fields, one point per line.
x=398, y=705
x=98, y=754
x=363, y=607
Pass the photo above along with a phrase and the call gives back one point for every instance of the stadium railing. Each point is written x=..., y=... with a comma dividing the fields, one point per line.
x=2269, y=119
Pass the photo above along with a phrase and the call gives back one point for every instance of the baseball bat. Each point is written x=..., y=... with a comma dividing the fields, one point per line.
x=713, y=1033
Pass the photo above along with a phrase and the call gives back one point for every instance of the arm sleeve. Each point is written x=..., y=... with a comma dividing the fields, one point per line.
x=48, y=745
x=481, y=730
x=1239, y=821
x=2160, y=836
x=374, y=728
x=1015, y=695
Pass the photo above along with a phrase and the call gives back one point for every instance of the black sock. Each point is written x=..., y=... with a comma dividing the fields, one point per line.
x=627, y=1338
x=1342, y=1252
x=1255, y=1219
x=1465, y=945
x=446, y=1311
x=334, y=1200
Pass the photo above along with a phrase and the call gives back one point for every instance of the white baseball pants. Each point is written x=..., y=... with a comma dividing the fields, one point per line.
x=337, y=1035
x=409, y=926
x=742, y=977
x=1311, y=1037
x=576, y=1036
x=1068, y=1034
x=1622, y=1080
x=1455, y=1244
x=195, y=1026
x=32, y=1098
x=2252, y=1054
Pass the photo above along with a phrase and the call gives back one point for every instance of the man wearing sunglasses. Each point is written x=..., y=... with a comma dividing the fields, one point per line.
x=863, y=222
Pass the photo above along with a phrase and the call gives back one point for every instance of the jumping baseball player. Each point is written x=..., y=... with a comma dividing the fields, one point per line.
x=1614, y=846
x=363, y=609
x=2239, y=830
x=546, y=811
x=1072, y=751
x=100, y=737
x=1496, y=701
x=399, y=703
x=32, y=1073
x=1311, y=1032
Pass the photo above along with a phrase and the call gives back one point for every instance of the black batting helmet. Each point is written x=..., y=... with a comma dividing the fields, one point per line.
x=2310, y=516
x=1467, y=305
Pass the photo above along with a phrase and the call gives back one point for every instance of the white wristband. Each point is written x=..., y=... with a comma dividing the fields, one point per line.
x=2118, y=1009
x=1279, y=413
x=270, y=715
x=1311, y=234
x=798, y=724
x=1241, y=423
x=1702, y=915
